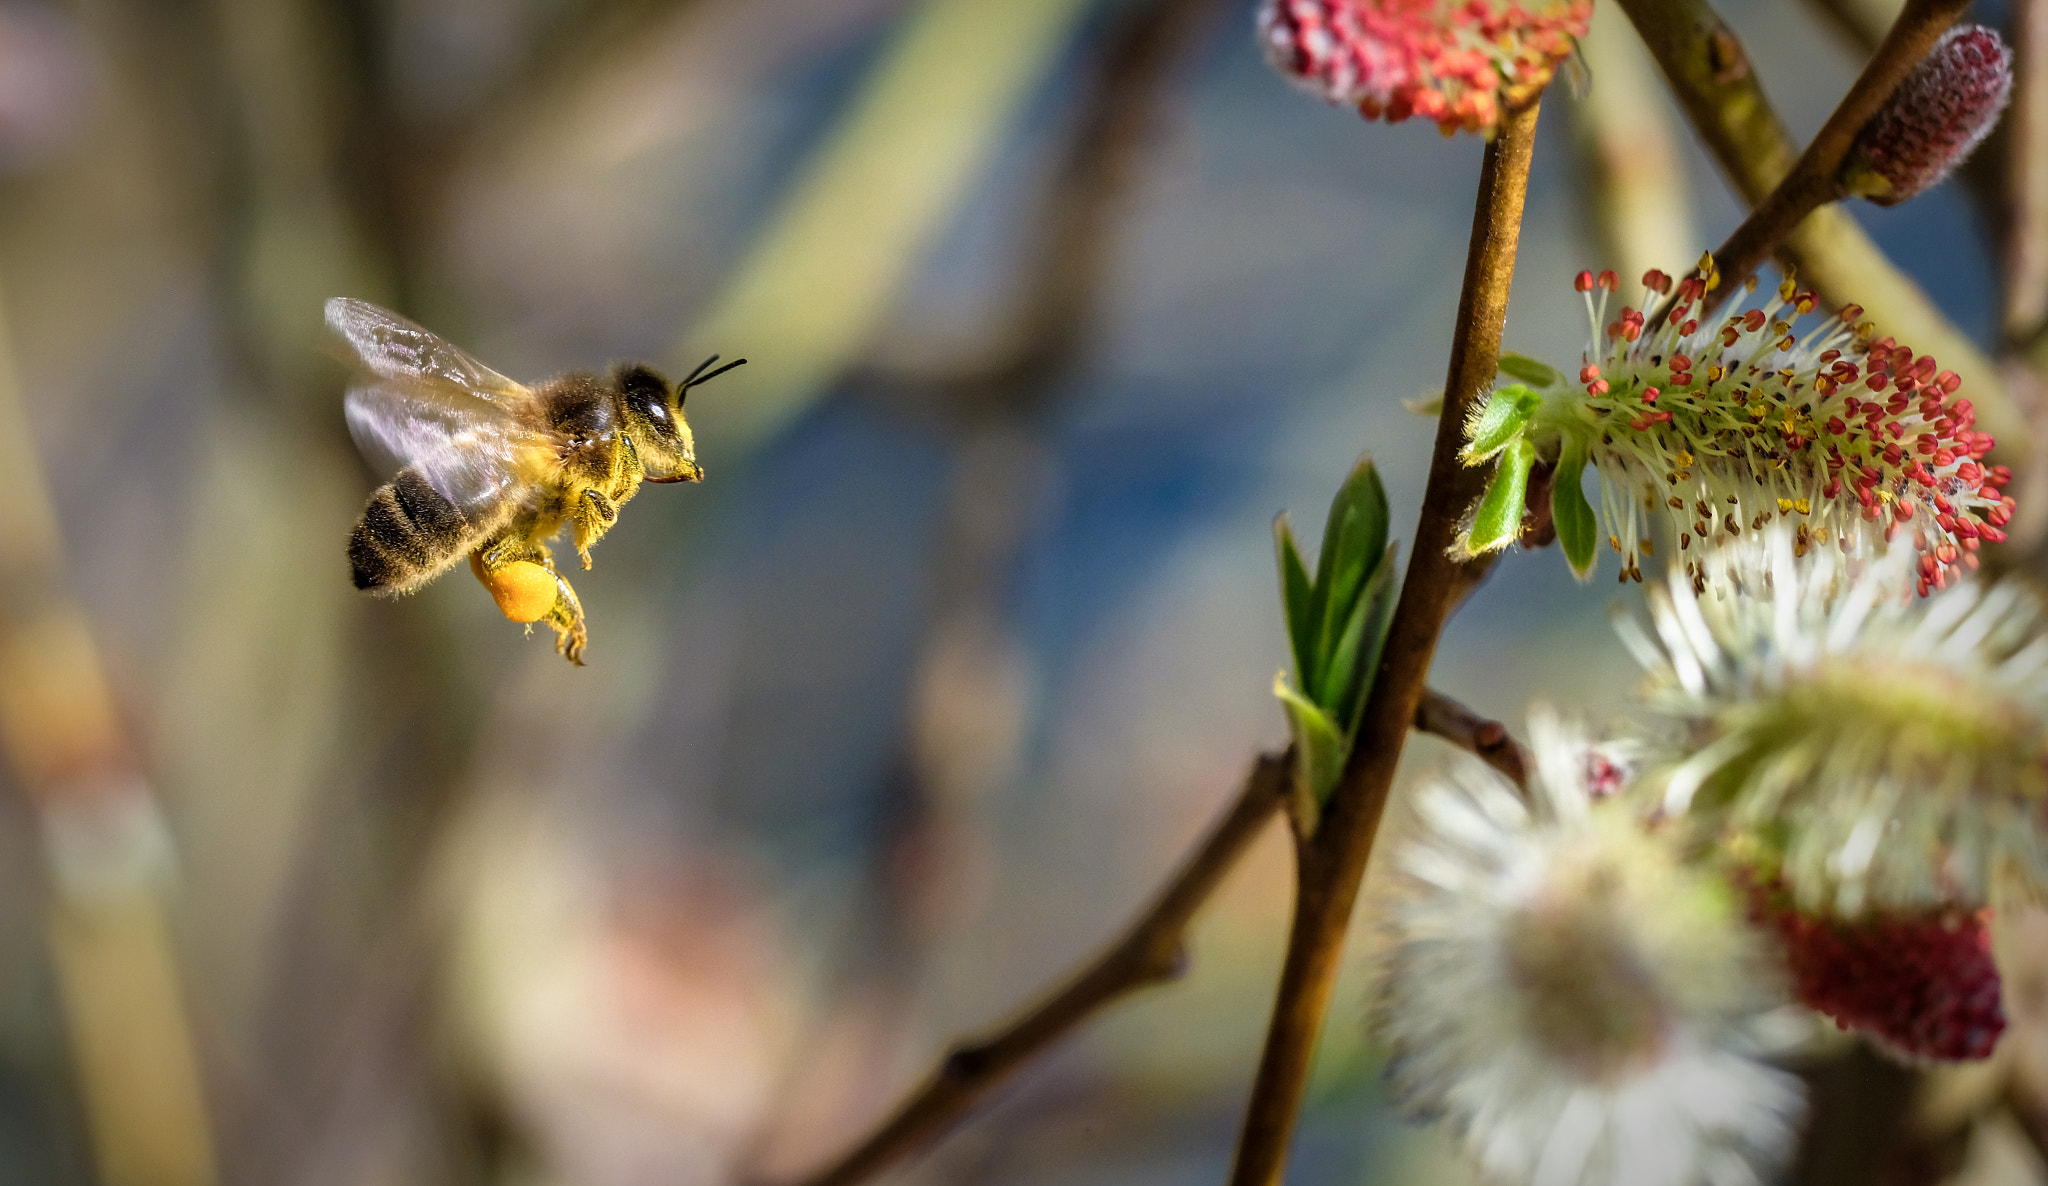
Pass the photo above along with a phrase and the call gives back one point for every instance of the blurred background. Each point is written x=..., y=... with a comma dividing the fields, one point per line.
x=1051, y=308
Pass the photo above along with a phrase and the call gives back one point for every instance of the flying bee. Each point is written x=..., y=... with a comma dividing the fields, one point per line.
x=490, y=468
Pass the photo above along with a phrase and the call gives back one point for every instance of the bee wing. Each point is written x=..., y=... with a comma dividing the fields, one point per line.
x=423, y=402
x=391, y=347
x=466, y=448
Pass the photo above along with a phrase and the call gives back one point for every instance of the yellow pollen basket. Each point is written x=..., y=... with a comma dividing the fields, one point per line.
x=524, y=591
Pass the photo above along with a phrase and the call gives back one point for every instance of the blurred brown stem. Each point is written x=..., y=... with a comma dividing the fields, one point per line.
x=1483, y=737
x=1332, y=862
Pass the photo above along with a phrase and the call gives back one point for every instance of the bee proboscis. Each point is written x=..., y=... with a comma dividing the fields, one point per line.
x=490, y=469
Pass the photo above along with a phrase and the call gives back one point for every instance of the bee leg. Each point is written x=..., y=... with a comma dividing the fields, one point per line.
x=595, y=515
x=525, y=584
x=567, y=619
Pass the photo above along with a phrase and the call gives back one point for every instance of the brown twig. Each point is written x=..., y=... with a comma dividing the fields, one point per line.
x=1149, y=952
x=1716, y=87
x=1332, y=862
x=1487, y=739
x=1861, y=25
x=1815, y=178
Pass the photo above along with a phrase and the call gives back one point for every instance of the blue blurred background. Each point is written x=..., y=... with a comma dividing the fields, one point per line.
x=896, y=717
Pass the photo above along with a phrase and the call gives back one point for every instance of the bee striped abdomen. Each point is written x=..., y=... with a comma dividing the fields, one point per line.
x=409, y=533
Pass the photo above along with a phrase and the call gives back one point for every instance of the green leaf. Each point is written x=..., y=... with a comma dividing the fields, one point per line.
x=1374, y=614
x=1353, y=540
x=1498, y=517
x=1319, y=752
x=1534, y=372
x=1340, y=666
x=1499, y=421
x=1578, y=528
x=1297, y=595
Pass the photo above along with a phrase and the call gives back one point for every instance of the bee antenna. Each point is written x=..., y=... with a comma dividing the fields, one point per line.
x=699, y=377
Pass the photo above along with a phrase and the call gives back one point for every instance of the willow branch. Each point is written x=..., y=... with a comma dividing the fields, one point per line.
x=1816, y=177
x=1332, y=862
x=1483, y=737
x=1150, y=952
x=2026, y=231
x=1711, y=77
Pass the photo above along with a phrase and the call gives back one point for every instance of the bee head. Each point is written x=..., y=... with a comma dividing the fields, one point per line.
x=667, y=450
x=659, y=432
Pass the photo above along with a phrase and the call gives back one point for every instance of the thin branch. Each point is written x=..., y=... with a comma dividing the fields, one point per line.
x=1487, y=739
x=1861, y=26
x=1150, y=952
x=2026, y=242
x=1815, y=178
x=1711, y=77
x=1332, y=862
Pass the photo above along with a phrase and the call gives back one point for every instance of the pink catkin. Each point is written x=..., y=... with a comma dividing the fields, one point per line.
x=1935, y=119
x=1921, y=985
x=1457, y=63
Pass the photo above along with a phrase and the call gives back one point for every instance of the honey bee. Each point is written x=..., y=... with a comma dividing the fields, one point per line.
x=490, y=468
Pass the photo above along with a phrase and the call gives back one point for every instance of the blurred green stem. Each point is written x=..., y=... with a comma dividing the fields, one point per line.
x=823, y=276
x=105, y=846
x=1331, y=864
x=2026, y=244
x=1635, y=174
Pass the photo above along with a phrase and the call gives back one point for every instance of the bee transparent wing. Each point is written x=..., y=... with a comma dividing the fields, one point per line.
x=420, y=401
x=391, y=347
x=466, y=448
